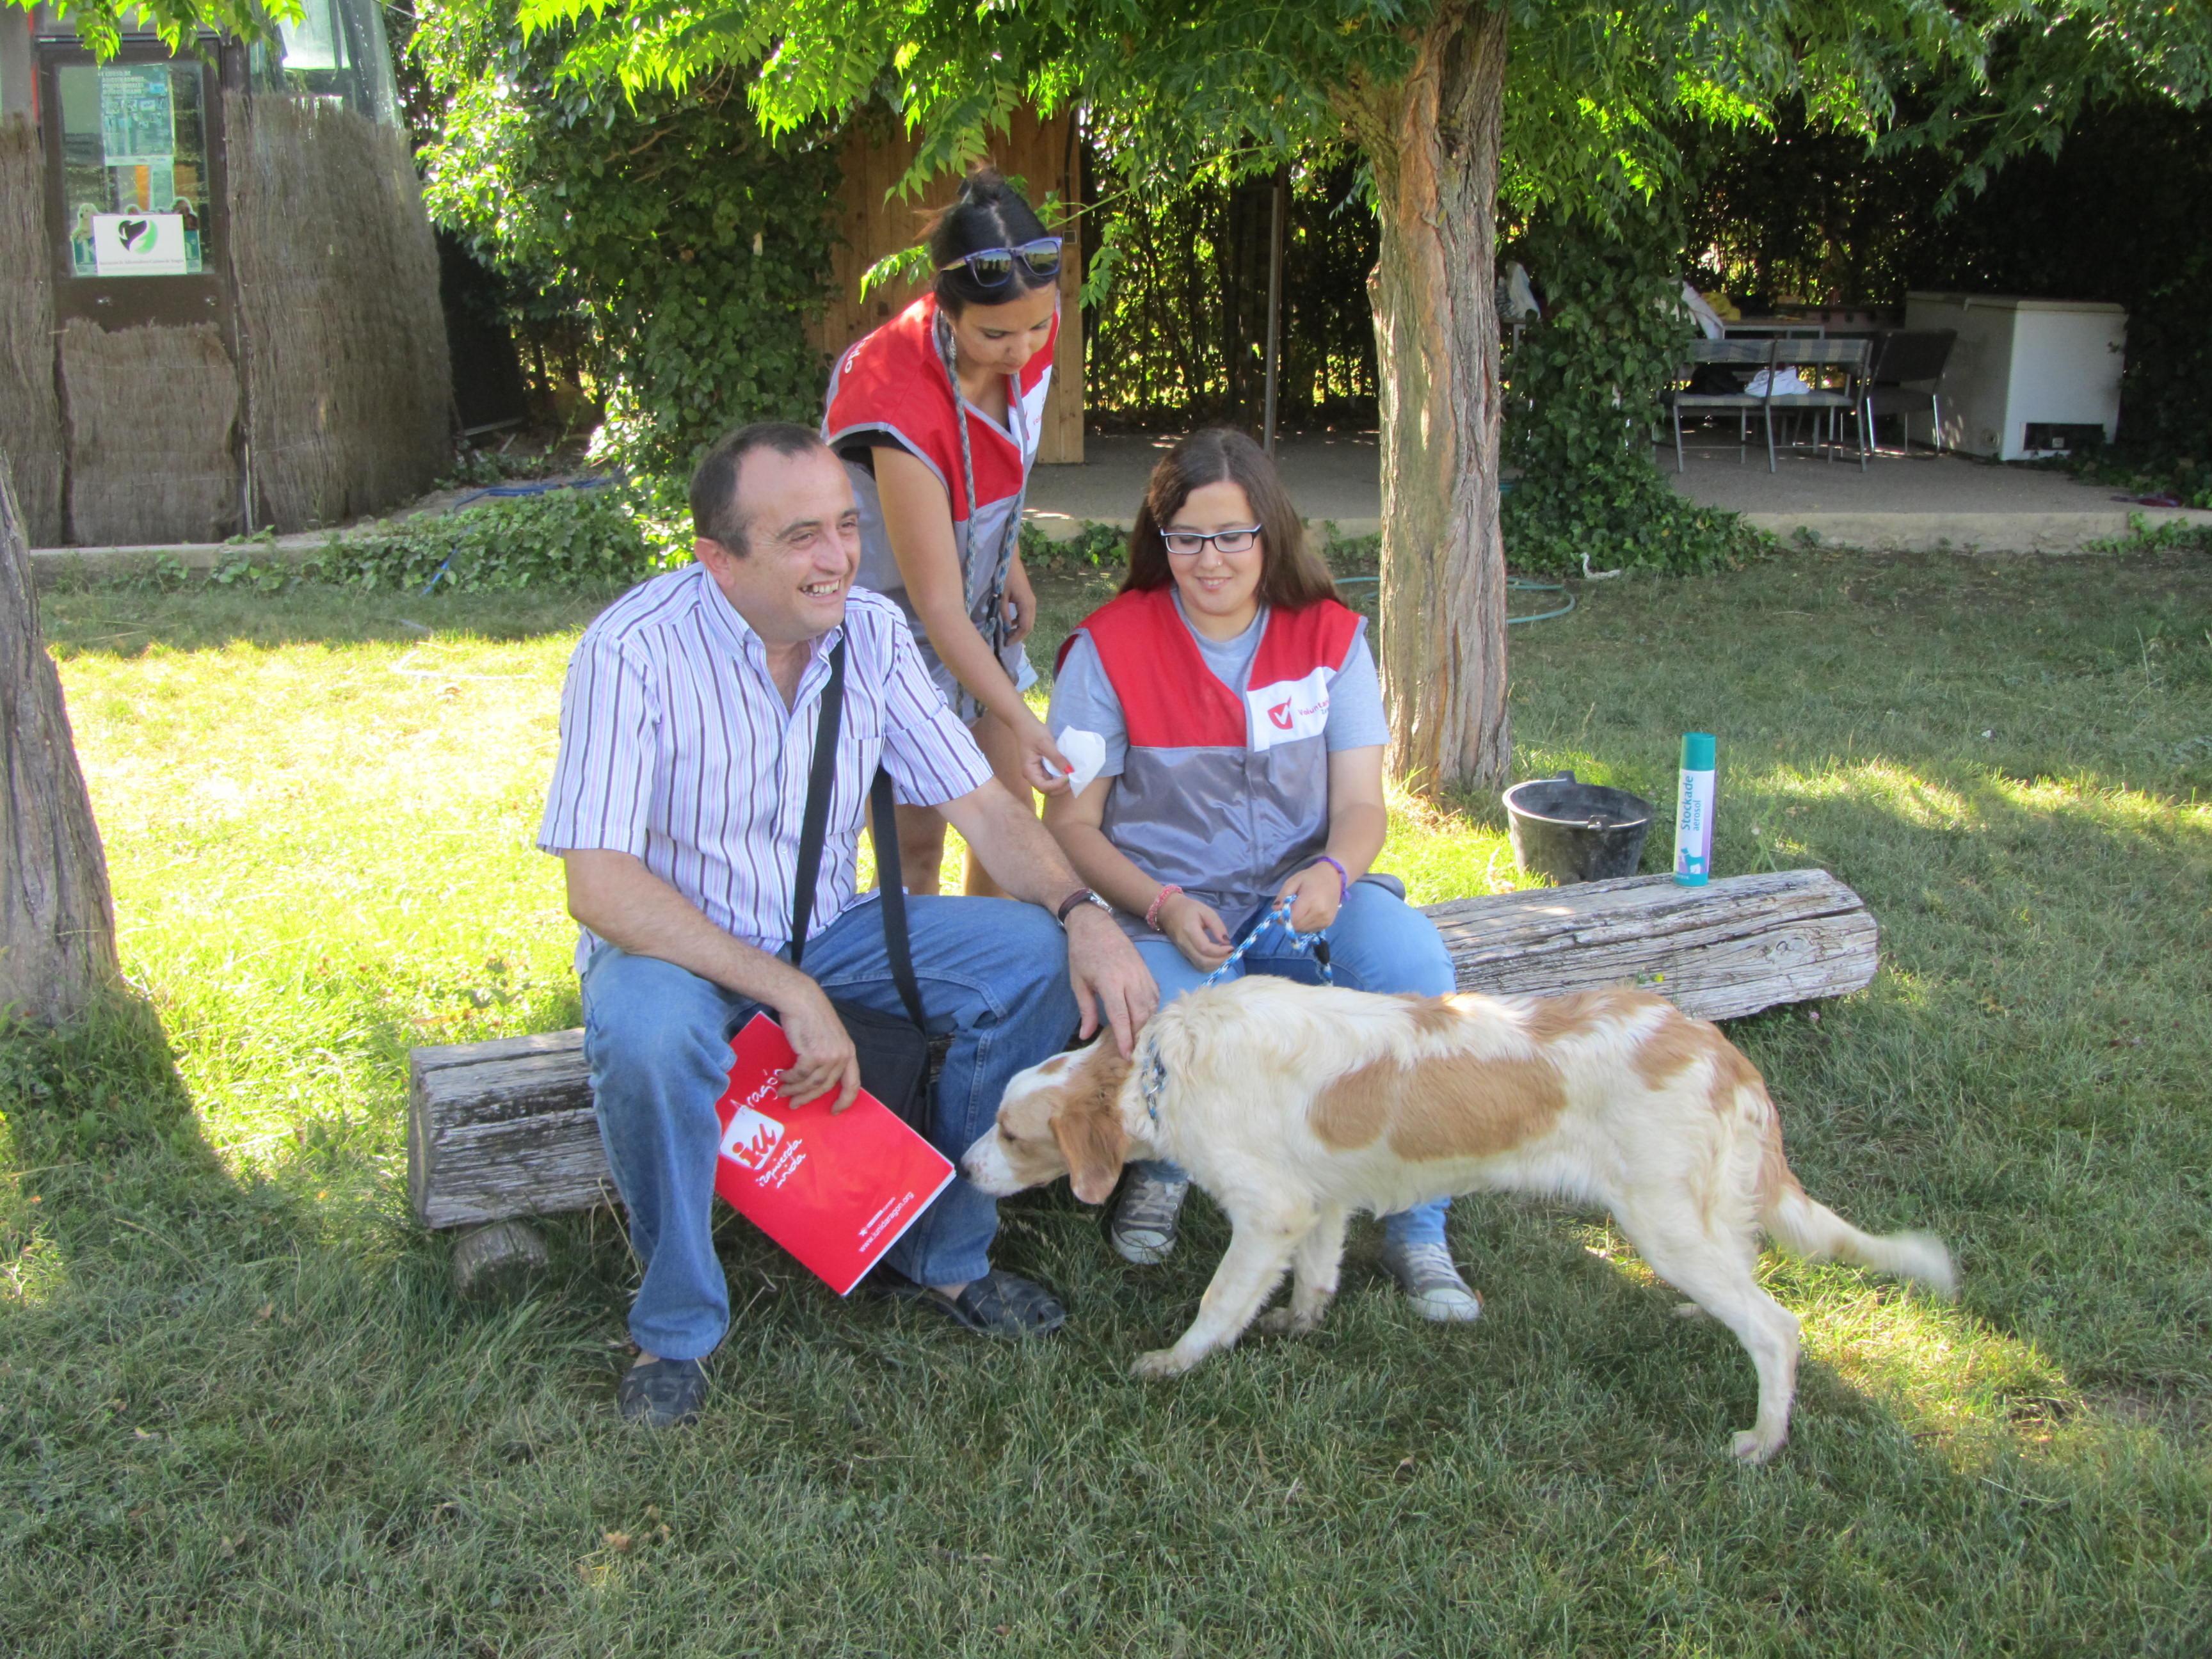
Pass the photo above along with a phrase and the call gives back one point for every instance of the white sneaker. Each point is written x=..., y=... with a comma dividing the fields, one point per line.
x=1143, y=1230
x=1431, y=1282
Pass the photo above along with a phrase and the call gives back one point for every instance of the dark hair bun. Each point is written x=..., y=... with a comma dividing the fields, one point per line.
x=988, y=212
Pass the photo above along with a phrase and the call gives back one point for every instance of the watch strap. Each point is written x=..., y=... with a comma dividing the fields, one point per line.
x=1080, y=896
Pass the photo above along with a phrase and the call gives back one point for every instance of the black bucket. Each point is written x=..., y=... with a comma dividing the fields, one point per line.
x=1573, y=832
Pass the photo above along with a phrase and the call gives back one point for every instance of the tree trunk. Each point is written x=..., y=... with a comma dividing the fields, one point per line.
x=57, y=922
x=1434, y=140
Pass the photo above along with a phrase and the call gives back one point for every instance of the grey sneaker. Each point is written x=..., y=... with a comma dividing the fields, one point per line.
x=1431, y=1282
x=1143, y=1230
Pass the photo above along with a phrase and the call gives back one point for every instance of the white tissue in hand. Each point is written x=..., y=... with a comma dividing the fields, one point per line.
x=1085, y=752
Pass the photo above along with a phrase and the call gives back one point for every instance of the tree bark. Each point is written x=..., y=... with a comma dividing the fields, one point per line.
x=57, y=920
x=1434, y=140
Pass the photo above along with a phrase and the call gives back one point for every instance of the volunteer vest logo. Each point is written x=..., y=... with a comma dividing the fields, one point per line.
x=751, y=1139
x=1290, y=709
x=1194, y=742
x=1171, y=700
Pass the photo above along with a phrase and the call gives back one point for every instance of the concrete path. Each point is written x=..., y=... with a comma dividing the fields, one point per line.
x=1334, y=478
x=1919, y=500
x=1916, y=500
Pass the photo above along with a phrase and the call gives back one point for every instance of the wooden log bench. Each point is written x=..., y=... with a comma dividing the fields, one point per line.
x=503, y=1130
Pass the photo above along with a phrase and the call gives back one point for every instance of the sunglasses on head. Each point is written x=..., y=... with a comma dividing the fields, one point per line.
x=993, y=267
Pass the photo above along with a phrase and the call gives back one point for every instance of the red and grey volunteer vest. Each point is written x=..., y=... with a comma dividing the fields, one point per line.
x=1225, y=796
x=892, y=386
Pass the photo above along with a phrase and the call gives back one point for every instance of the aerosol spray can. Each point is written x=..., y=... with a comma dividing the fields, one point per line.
x=1693, y=811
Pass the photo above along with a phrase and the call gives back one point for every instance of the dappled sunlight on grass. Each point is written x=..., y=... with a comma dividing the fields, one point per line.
x=1912, y=799
x=2111, y=806
x=1942, y=1373
x=1441, y=851
x=322, y=854
x=1948, y=1380
x=33, y=1269
x=36, y=1271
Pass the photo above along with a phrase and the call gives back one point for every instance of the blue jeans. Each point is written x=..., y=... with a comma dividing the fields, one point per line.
x=993, y=972
x=1378, y=943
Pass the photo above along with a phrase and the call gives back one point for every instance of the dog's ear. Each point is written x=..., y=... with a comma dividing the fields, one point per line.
x=1090, y=1133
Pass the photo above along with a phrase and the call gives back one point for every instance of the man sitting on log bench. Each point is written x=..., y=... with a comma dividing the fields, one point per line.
x=688, y=724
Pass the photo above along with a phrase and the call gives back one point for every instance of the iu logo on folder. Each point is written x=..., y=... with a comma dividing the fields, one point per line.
x=749, y=1137
x=835, y=1190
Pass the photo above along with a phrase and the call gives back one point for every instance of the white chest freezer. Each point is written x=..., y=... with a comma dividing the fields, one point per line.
x=2027, y=377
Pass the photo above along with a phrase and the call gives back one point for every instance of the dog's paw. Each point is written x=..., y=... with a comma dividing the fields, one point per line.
x=1690, y=1310
x=1753, y=1447
x=1286, y=1321
x=1160, y=1362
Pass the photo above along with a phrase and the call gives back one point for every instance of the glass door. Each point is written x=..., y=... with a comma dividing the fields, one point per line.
x=136, y=206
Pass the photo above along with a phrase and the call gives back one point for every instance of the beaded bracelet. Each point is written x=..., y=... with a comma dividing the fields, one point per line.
x=1343, y=876
x=1152, y=913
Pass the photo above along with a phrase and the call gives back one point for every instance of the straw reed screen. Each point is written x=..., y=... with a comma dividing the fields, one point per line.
x=348, y=384
x=152, y=413
x=30, y=415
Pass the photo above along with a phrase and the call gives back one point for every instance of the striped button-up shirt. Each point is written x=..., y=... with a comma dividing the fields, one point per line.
x=677, y=747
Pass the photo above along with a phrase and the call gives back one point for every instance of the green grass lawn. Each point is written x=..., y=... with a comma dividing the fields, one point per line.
x=241, y=1412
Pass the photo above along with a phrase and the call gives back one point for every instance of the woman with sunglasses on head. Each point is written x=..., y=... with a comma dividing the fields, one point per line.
x=937, y=415
x=1243, y=728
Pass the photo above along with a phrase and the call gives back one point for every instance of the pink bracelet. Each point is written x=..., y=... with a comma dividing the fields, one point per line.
x=1343, y=876
x=1152, y=913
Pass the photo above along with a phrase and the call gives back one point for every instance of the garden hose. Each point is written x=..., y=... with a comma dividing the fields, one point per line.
x=527, y=486
x=1514, y=584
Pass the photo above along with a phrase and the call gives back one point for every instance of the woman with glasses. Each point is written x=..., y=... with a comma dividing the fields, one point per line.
x=937, y=415
x=1243, y=727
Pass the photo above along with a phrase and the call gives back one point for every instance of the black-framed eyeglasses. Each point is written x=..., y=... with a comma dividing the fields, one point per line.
x=1189, y=544
x=993, y=267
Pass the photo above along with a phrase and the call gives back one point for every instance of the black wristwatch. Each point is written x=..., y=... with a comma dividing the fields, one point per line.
x=1080, y=896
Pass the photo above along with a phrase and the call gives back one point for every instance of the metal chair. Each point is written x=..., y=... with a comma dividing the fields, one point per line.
x=1752, y=355
x=1905, y=378
x=1845, y=359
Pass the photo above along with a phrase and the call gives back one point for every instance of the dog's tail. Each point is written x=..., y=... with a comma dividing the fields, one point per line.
x=1801, y=1223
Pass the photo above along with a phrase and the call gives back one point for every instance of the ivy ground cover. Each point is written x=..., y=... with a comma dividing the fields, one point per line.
x=240, y=1412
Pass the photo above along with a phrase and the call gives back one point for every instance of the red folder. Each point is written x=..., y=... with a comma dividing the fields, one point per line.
x=837, y=1191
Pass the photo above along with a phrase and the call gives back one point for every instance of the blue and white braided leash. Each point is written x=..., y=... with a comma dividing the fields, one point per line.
x=1302, y=943
x=1155, y=1073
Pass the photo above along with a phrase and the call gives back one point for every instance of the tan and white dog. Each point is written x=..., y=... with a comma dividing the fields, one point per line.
x=1295, y=1106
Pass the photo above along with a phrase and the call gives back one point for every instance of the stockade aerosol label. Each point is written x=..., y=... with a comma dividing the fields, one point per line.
x=1693, y=811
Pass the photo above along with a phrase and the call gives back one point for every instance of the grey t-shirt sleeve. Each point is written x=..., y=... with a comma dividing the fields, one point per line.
x=1082, y=698
x=1356, y=720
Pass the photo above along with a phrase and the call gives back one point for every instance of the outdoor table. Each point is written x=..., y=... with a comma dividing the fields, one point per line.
x=1752, y=328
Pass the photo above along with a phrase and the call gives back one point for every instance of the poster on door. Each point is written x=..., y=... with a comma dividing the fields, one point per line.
x=137, y=119
x=139, y=245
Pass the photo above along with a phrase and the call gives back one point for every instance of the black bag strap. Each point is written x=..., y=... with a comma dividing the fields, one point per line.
x=813, y=831
x=892, y=883
x=814, y=827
